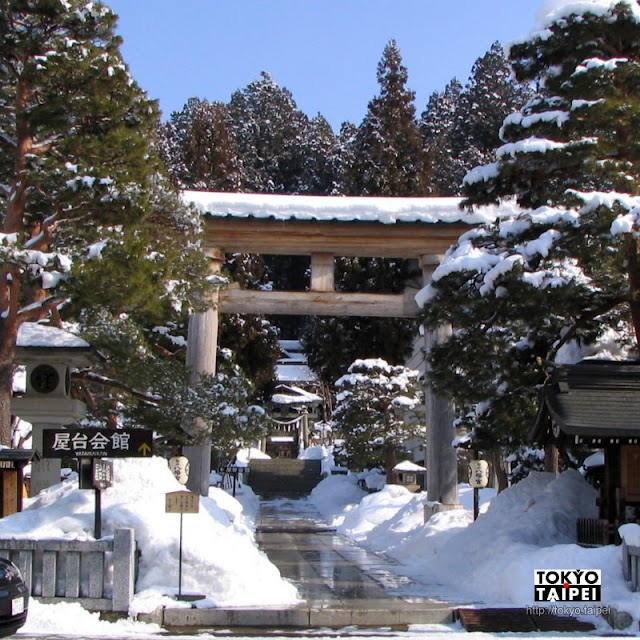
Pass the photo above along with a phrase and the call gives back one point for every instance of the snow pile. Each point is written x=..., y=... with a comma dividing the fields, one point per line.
x=374, y=509
x=323, y=453
x=335, y=496
x=529, y=526
x=220, y=557
x=73, y=621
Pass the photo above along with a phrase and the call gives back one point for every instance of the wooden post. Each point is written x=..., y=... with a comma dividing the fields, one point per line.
x=202, y=343
x=322, y=272
x=441, y=459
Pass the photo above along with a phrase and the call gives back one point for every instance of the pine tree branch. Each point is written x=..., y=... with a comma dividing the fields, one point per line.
x=34, y=311
x=587, y=316
x=84, y=375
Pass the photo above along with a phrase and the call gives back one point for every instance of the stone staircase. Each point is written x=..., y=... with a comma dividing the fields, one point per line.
x=284, y=476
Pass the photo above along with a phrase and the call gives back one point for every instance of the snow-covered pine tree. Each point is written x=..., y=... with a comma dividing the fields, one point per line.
x=319, y=149
x=436, y=125
x=461, y=126
x=385, y=158
x=375, y=412
x=268, y=127
x=86, y=214
x=198, y=149
x=222, y=401
x=557, y=280
x=345, y=157
x=389, y=158
x=490, y=95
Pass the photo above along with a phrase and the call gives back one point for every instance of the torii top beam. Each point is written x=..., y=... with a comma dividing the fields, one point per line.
x=325, y=227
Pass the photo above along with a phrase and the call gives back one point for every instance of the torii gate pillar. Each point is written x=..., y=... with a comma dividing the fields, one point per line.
x=202, y=345
x=441, y=461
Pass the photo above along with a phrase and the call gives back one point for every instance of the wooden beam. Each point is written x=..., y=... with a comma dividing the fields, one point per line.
x=314, y=303
x=349, y=239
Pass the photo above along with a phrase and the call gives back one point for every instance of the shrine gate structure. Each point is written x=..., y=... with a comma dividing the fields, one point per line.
x=326, y=227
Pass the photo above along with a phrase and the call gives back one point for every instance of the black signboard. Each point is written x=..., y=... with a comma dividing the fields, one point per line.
x=97, y=443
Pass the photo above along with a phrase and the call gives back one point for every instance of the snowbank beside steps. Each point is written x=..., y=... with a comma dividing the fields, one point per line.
x=220, y=557
x=491, y=561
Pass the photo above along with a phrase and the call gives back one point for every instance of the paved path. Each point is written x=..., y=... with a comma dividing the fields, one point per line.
x=335, y=575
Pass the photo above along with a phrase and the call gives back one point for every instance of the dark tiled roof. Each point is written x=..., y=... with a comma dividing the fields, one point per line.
x=594, y=398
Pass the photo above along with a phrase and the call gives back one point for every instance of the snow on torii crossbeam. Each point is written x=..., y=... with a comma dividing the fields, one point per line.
x=326, y=227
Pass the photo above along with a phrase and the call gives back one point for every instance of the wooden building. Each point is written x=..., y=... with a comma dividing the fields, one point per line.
x=596, y=403
x=12, y=478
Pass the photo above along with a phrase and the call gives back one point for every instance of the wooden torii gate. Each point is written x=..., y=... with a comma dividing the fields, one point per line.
x=325, y=227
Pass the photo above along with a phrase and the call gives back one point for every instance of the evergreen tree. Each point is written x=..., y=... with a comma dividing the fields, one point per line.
x=436, y=124
x=84, y=206
x=553, y=282
x=345, y=157
x=389, y=158
x=223, y=401
x=200, y=153
x=461, y=126
x=319, y=149
x=267, y=127
x=383, y=157
x=198, y=149
x=374, y=412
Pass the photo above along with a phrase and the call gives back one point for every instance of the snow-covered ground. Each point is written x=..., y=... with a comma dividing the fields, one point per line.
x=220, y=557
x=490, y=561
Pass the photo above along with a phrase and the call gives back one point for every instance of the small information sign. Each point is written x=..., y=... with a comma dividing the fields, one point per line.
x=182, y=502
x=102, y=474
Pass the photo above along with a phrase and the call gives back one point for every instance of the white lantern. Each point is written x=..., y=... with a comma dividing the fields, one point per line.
x=478, y=473
x=179, y=466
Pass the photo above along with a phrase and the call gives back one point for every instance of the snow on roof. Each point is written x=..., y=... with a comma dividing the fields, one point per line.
x=34, y=335
x=387, y=210
x=408, y=466
x=294, y=373
x=294, y=395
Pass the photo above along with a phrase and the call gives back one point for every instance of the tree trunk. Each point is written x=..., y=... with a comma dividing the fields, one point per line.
x=6, y=379
x=633, y=265
x=499, y=471
x=551, y=458
x=390, y=461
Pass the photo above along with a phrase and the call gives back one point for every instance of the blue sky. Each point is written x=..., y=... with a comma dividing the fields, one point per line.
x=324, y=51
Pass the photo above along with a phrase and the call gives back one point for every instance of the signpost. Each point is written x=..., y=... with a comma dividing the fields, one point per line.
x=182, y=502
x=102, y=479
x=97, y=443
x=90, y=446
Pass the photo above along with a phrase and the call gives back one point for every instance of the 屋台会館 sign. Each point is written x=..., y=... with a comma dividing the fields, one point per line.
x=97, y=443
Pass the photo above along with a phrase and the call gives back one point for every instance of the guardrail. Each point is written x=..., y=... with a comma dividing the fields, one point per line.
x=98, y=574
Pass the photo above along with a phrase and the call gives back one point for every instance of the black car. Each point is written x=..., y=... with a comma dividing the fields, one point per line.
x=14, y=598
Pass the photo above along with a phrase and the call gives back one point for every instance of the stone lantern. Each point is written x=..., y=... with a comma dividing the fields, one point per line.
x=49, y=354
